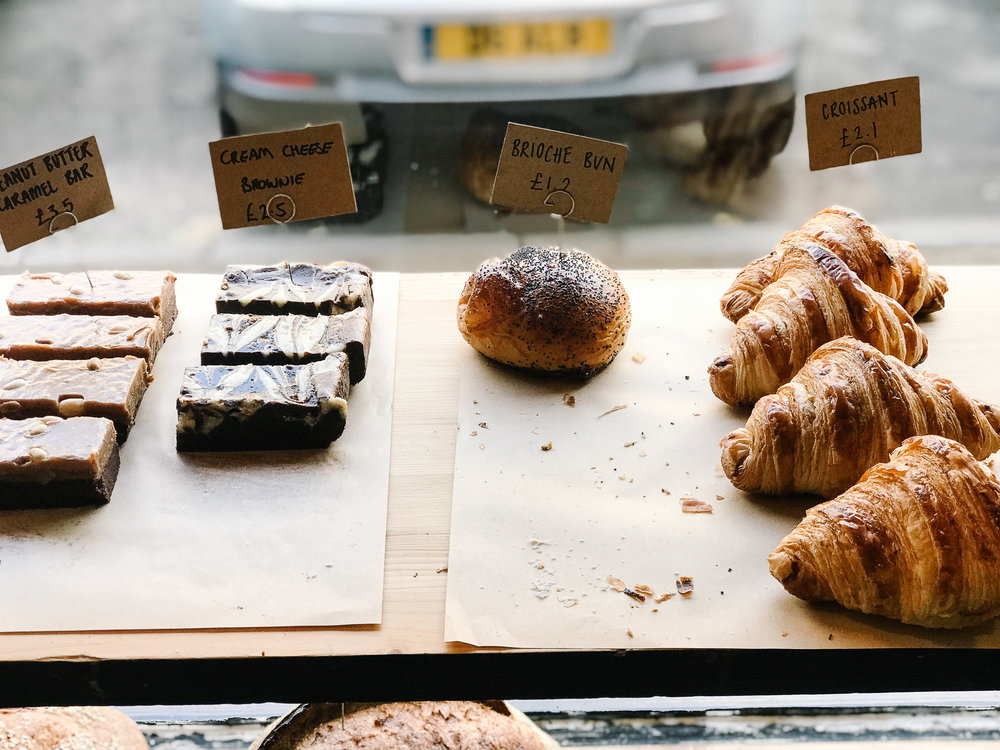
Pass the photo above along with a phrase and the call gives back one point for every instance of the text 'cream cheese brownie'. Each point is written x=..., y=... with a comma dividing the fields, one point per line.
x=296, y=288
x=288, y=339
x=143, y=294
x=50, y=462
x=97, y=387
x=263, y=407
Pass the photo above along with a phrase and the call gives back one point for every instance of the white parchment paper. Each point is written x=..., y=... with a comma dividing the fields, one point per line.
x=227, y=540
x=535, y=532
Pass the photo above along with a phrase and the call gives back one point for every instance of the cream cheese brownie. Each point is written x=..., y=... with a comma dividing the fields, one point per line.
x=263, y=407
x=50, y=462
x=99, y=387
x=295, y=288
x=64, y=336
x=143, y=294
x=234, y=339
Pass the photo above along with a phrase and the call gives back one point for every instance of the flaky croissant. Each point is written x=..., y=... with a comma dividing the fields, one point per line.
x=845, y=411
x=816, y=298
x=894, y=267
x=917, y=540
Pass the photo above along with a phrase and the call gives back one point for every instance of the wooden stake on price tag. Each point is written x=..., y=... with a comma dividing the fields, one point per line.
x=550, y=172
x=274, y=178
x=51, y=192
x=863, y=123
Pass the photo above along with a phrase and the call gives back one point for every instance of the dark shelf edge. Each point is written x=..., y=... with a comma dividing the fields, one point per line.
x=508, y=675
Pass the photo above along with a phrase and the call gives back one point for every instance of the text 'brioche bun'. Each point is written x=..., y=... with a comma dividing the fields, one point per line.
x=547, y=310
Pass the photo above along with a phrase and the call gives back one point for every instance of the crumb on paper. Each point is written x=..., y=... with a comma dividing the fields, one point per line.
x=474, y=433
x=662, y=598
x=784, y=633
x=612, y=410
x=719, y=497
x=685, y=585
x=830, y=637
x=539, y=564
x=483, y=425
x=569, y=399
x=639, y=358
x=643, y=454
x=644, y=589
x=634, y=595
x=665, y=492
x=629, y=632
x=441, y=570
x=547, y=446
x=694, y=505
x=616, y=583
x=482, y=447
x=629, y=444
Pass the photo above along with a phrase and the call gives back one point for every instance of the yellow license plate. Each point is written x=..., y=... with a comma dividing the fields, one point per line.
x=586, y=37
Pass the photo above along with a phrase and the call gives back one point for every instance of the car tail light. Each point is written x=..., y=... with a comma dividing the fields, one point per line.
x=756, y=61
x=292, y=79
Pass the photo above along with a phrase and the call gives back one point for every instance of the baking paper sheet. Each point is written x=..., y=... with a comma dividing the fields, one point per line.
x=536, y=532
x=226, y=540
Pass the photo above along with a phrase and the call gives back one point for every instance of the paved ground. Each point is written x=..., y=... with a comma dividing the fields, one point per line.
x=137, y=75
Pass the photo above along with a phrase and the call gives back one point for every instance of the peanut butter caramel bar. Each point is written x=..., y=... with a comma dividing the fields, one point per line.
x=295, y=288
x=100, y=387
x=263, y=407
x=50, y=462
x=234, y=339
x=64, y=336
x=142, y=294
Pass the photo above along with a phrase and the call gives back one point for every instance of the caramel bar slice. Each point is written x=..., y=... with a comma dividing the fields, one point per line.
x=295, y=288
x=263, y=407
x=64, y=336
x=287, y=340
x=143, y=294
x=50, y=462
x=110, y=388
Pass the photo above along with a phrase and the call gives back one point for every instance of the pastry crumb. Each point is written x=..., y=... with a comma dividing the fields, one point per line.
x=665, y=492
x=630, y=444
x=644, y=589
x=694, y=505
x=612, y=410
x=629, y=632
x=483, y=425
x=474, y=433
x=662, y=598
x=784, y=633
x=547, y=446
x=616, y=583
x=639, y=358
x=685, y=585
x=569, y=399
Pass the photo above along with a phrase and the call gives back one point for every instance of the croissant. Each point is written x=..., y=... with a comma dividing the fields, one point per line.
x=845, y=411
x=894, y=267
x=917, y=540
x=815, y=299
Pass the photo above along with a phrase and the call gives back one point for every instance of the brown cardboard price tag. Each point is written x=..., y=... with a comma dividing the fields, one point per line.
x=54, y=191
x=862, y=123
x=283, y=176
x=547, y=171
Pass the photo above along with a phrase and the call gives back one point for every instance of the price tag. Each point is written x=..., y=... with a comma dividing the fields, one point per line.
x=274, y=178
x=863, y=123
x=547, y=171
x=52, y=192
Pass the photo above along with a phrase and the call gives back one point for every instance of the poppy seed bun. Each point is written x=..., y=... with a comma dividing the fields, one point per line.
x=547, y=310
x=424, y=725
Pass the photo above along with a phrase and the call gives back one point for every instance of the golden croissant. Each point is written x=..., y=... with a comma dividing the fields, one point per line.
x=815, y=299
x=845, y=411
x=917, y=540
x=894, y=267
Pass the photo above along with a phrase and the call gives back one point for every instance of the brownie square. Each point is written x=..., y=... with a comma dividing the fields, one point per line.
x=50, y=462
x=142, y=294
x=235, y=339
x=263, y=407
x=65, y=336
x=295, y=289
x=111, y=388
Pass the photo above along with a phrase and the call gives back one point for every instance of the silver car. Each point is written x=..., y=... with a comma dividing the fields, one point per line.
x=724, y=65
